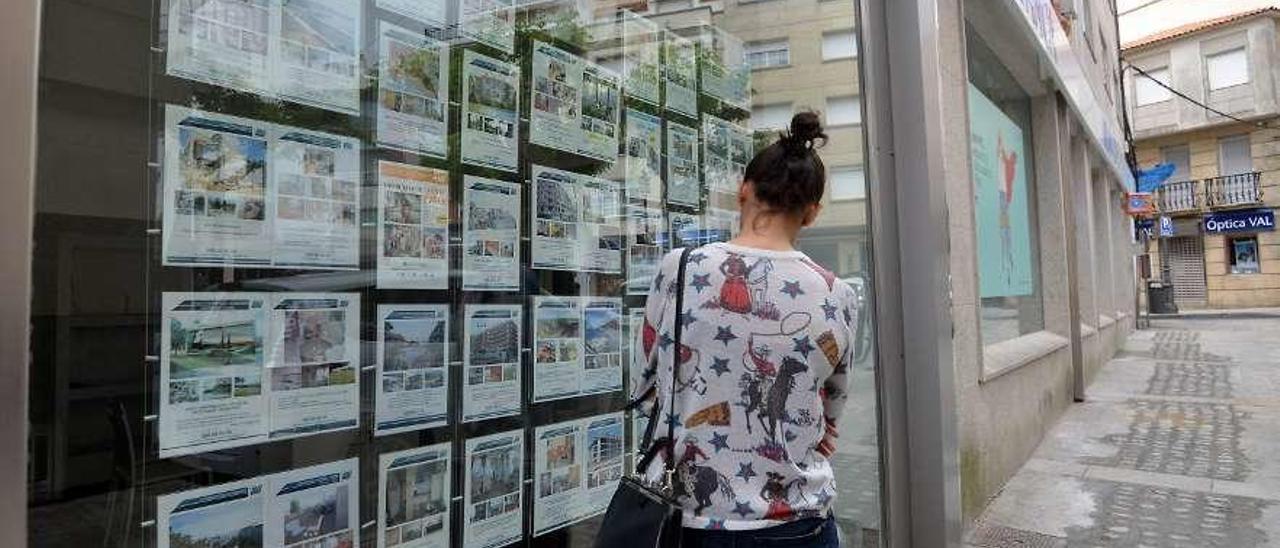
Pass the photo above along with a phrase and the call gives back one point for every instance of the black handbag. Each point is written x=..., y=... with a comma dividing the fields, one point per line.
x=640, y=514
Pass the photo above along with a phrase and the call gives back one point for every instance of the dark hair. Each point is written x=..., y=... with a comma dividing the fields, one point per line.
x=788, y=175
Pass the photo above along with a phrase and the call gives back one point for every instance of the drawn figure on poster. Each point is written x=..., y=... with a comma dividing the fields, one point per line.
x=1009, y=163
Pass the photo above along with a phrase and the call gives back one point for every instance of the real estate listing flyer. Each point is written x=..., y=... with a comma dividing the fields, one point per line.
x=645, y=229
x=413, y=227
x=413, y=91
x=681, y=83
x=494, y=490
x=555, y=110
x=601, y=111
x=641, y=47
x=723, y=67
x=434, y=12
x=490, y=22
x=577, y=465
x=317, y=200
x=313, y=506
x=412, y=367
x=414, y=497
x=491, y=361
x=318, y=52
x=683, y=229
x=726, y=149
x=577, y=221
x=490, y=235
x=490, y=112
x=577, y=346
x=314, y=365
x=222, y=42
x=643, y=156
x=683, y=185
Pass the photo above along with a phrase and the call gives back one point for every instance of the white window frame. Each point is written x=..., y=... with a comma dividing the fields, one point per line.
x=852, y=118
x=760, y=116
x=1145, y=89
x=858, y=190
x=769, y=50
x=1234, y=80
x=834, y=54
x=1235, y=140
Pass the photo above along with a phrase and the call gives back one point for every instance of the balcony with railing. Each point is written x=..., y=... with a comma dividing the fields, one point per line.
x=1179, y=197
x=1244, y=189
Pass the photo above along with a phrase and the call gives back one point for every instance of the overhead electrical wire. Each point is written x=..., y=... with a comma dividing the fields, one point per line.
x=1185, y=97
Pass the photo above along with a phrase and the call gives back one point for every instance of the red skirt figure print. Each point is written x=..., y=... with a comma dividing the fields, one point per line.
x=735, y=296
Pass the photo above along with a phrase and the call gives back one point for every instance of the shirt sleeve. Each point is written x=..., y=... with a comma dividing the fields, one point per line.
x=645, y=337
x=835, y=389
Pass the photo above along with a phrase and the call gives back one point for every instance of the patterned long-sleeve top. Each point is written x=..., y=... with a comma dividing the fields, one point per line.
x=768, y=339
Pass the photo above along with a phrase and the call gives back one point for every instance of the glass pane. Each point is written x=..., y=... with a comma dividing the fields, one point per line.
x=368, y=272
x=1148, y=89
x=1229, y=68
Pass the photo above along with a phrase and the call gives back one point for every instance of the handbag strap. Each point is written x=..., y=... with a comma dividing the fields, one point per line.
x=668, y=445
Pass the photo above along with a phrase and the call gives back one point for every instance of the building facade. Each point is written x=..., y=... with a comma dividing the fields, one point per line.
x=1205, y=98
x=976, y=169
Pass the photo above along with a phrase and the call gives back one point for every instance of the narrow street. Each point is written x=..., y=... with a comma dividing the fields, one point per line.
x=1177, y=446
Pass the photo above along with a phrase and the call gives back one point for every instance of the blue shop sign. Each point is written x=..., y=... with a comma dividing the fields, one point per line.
x=1254, y=220
x=1144, y=227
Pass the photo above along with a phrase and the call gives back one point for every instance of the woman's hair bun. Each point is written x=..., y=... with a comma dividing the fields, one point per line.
x=806, y=131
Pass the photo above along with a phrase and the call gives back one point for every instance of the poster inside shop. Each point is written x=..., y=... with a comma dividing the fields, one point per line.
x=555, y=110
x=490, y=111
x=577, y=465
x=683, y=229
x=313, y=506
x=413, y=227
x=314, y=364
x=412, y=367
x=414, y=488
x=490, y=235
x=220, y=209
x=726, y=150
x=317, y=200
x=601, y=110
x=642, y=160
x=319, y=54
x=413, y=91
x=219, y=348
x=645, y=228
x=490, y=22
x=306, y=51
x=997, y=147
x=683, y=185
x=681, y=84
x=720, y=225
x=641, y=47
x=491, y=361
x=577, y=346
x=724, y=70
x=577, y=222
x=493, y=490
x=433, y=12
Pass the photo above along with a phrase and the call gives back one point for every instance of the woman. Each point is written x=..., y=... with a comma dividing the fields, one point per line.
x=767, y=343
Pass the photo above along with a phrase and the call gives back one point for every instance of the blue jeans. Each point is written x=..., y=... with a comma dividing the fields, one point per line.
x=803, y=533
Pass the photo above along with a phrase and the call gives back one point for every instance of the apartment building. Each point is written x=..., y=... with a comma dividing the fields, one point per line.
x=1205, y=97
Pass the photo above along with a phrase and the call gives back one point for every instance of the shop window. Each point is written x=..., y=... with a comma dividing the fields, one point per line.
x=848, y=183
x=1000, y=154
x=1229, y=68
x=1149, y=88
x=1242, y=255
x=844, y=111
x=839, y=44
x=768, y=54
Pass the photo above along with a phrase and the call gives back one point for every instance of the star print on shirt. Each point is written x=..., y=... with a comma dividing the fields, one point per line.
x=829, y=309
x=792, y=289
x=700, y=282
x=665, y=341
x=719, y=441
x=725, y=334
x=673, y=420
x=697, y=258
x=720, y=365
x=688, y=318
x=746, y=471
x=803, y=346
x=742, y=508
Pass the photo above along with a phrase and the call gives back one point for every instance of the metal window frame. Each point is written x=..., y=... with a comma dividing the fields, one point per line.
x=920, y=489
x=19, y=56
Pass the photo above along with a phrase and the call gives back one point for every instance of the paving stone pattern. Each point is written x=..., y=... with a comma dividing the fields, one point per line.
x=989, y=535
x=1190, y=379
x=1187, y=351
x=1175, y=335
x=1157, y=517
x=1188, y=439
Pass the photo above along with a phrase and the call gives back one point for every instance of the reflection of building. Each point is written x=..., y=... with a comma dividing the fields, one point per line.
x=1222, y=250
x=604, y=448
